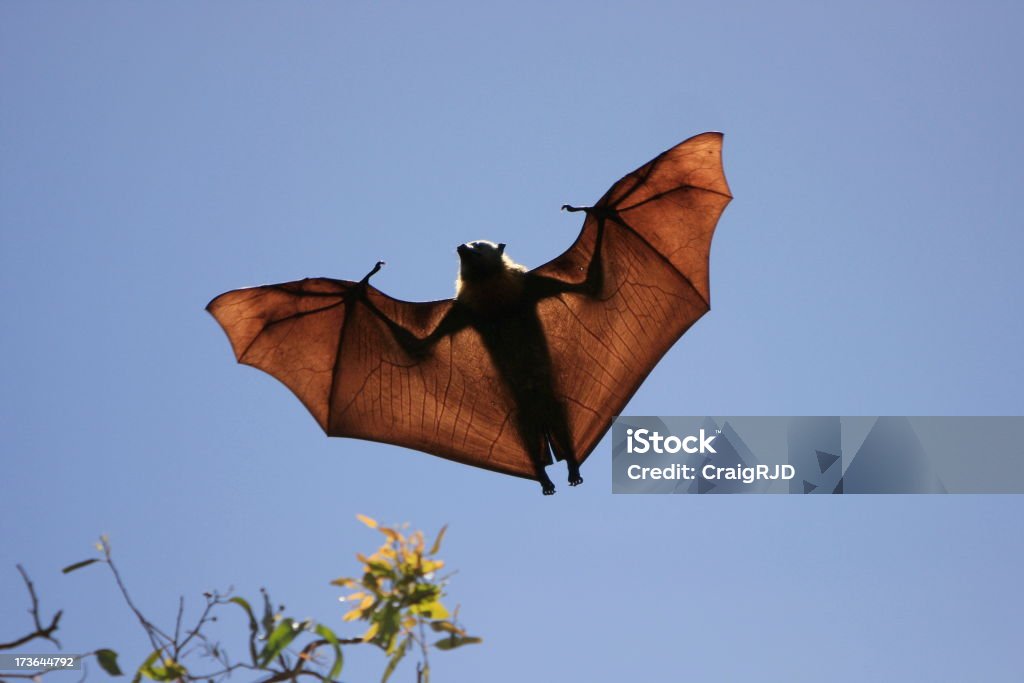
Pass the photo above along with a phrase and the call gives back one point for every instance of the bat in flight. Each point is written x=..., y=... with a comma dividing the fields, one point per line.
x=522, y=365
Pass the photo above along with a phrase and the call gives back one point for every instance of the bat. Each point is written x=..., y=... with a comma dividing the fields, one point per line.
x=522, y=366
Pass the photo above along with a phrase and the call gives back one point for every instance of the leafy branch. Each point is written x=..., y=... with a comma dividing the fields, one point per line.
x=399, y=595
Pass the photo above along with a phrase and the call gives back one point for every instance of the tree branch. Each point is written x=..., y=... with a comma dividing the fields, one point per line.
x=45, y=632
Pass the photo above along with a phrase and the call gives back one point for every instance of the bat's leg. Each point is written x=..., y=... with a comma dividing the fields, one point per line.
x=539, y=455
x=561, y=442
x=574, y=472
x=547, y=486
x=535, y=442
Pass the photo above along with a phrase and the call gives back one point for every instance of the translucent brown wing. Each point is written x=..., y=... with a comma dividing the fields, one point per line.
x=326, y=345
x=656, y=225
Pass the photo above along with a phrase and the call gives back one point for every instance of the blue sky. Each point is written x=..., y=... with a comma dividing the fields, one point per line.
x=155, y=155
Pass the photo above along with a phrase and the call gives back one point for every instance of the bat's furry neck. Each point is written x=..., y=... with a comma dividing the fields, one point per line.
x=489, y=284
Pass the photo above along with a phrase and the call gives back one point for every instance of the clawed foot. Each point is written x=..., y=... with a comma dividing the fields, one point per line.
x=575, y=479
x=547, y=487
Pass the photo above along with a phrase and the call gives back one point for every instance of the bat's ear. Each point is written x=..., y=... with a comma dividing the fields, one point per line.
x=501, y=248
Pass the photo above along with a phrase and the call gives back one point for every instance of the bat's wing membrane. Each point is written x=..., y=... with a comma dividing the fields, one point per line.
x=320, y=338
x=341, y=360
x=656, y=225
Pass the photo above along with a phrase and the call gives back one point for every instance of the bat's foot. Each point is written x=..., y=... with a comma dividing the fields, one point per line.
x=547, y=487
x=574, y=473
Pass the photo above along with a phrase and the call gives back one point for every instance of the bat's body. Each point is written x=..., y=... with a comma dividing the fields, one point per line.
x=498, y=298
x=520, y=364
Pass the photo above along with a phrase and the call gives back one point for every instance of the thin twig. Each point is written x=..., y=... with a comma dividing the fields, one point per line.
x=41, y=631
x=423, y=647
x=177, y=622
x=289, y=674
x=151, y=630
x=211, y=602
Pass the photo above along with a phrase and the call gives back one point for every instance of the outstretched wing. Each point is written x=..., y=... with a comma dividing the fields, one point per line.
x=319, y=338
x=655, y=227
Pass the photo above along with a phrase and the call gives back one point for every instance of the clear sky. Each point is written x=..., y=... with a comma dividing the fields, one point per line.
x=153, y=155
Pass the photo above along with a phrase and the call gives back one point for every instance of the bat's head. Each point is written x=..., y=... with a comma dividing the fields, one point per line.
x=481, y=259
x=487, y=277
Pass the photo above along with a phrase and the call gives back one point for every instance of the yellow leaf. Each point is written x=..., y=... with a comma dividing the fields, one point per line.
x=371, y=632
x=355, y=596
x=432, y=565
x=435, y=610
x=417, y=541
x=448, y=627
x=367, y=601
x=437, y=541
x=353, y=614
x=372, y=523
x=343, y=582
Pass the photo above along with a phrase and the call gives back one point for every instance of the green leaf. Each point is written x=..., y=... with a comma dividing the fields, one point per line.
x=379, y=569
x=437, y=541
x=432, y=610
x=446, y=627
x=254, y=627
x=328, y=635
x=108, y=660
x=278, y=640
x=78, y=565
x=158, y=673
x=453, y=641
x=389, y=624
x=175, y=671
x=396, y=658
x=169, y=671
x=424, y=592
x=268, y=613
x=145, y=668
x=244, y=604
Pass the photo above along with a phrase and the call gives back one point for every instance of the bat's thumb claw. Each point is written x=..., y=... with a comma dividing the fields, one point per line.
x=569, y=207
x=378, y=266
